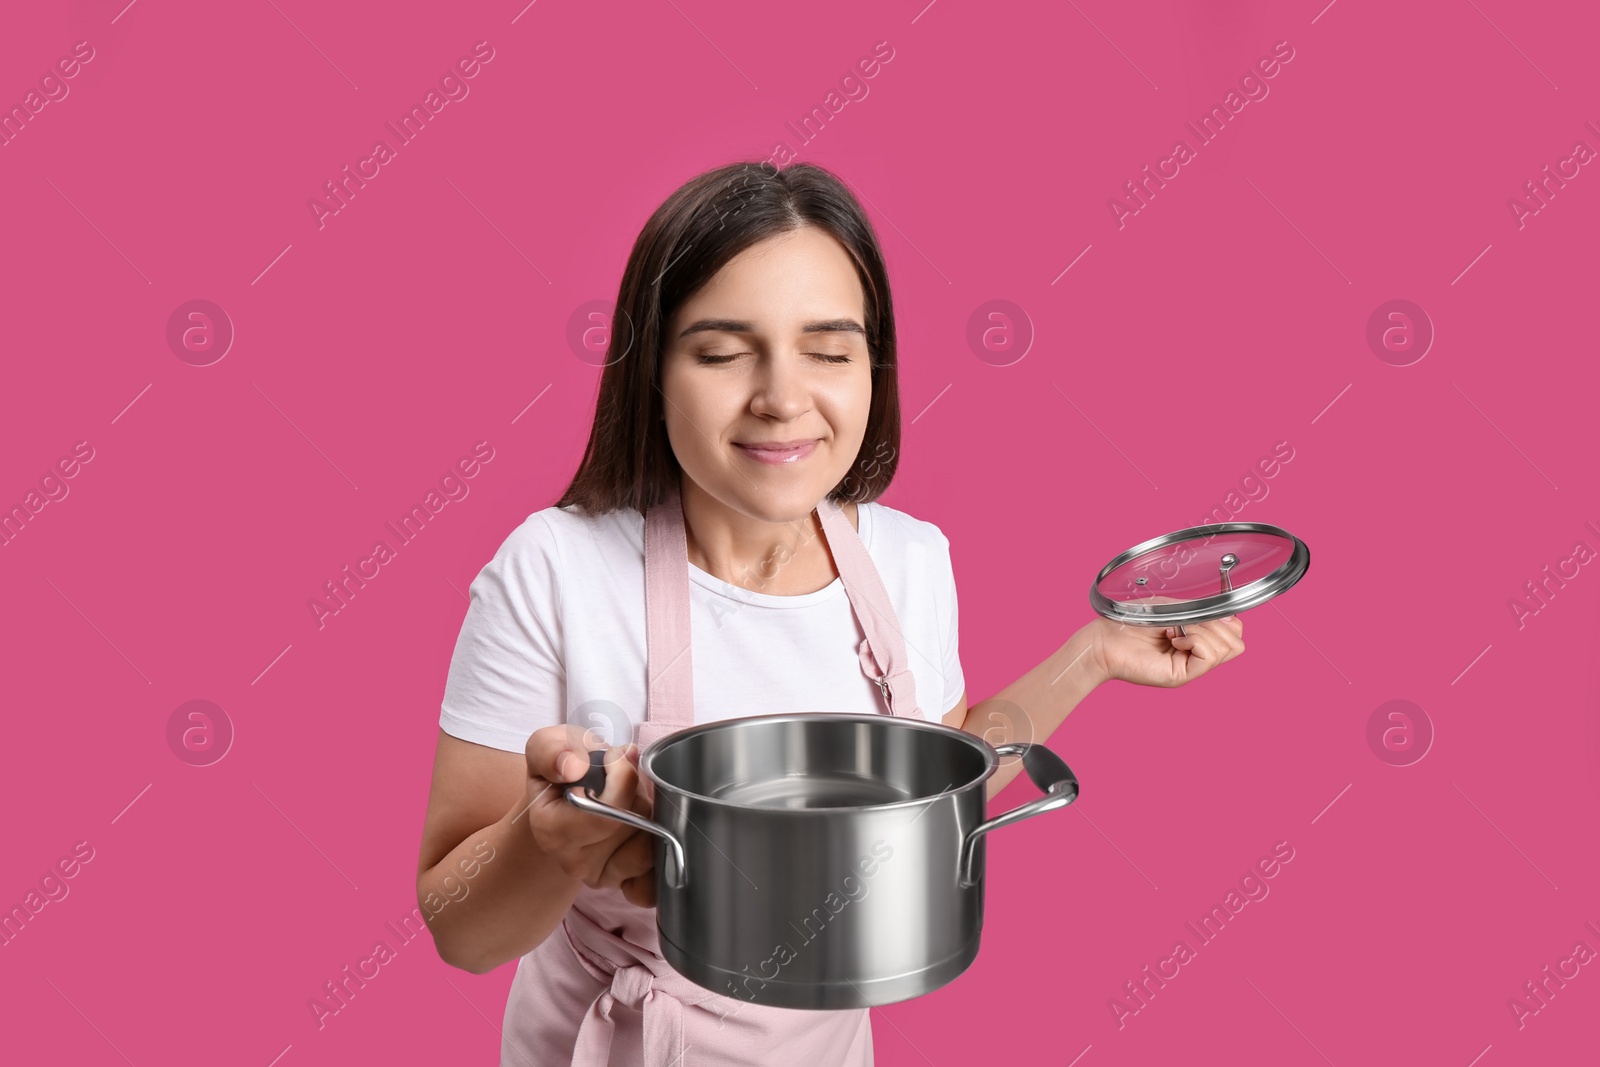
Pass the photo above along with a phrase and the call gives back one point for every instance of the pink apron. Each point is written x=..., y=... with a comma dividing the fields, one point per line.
x=683, y=1024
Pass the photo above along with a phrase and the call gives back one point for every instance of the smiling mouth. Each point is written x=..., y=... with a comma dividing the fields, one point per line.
x=778, y=453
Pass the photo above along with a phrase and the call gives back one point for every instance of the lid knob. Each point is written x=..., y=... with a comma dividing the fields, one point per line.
x=1227, y=565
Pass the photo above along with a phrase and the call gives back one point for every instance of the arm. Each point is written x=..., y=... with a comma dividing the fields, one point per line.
x=1030, y=708
x=516, y=895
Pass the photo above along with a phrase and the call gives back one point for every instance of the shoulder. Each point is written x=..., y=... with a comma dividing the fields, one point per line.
x=555, y=555
x=896, y=530
x=556, y=547
x=554, y=533
x=897, y=540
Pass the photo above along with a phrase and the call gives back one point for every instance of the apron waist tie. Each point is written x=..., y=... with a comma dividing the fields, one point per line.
x=639, y=980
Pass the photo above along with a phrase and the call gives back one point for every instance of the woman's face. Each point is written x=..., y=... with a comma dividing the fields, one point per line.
x=772, y=351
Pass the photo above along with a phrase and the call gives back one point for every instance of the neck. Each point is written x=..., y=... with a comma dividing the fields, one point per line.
x=784, y=557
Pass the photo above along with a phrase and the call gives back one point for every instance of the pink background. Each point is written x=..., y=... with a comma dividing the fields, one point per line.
x=1228, y=315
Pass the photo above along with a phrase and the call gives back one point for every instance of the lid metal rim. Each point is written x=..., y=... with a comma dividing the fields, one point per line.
x=1249, y=595
x=1192, y=611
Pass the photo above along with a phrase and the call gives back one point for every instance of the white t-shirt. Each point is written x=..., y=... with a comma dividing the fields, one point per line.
x=555, y=632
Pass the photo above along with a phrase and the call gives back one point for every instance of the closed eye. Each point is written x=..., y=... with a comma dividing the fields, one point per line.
x=711, y=359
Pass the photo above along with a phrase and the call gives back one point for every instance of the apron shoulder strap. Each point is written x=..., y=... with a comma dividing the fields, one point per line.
x=669, y=664
x=883, y=650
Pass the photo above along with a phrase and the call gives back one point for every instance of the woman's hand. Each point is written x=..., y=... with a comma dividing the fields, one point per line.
x=1154, y=655
x=600, y=852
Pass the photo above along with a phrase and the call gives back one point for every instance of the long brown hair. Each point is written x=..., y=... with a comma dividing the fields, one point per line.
x=628, y=462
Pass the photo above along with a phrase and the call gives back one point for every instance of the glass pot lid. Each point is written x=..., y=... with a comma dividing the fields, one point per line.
x=1199, y=573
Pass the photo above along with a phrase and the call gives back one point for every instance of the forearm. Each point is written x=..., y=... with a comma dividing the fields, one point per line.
x=512, y=902
x=1030, y=708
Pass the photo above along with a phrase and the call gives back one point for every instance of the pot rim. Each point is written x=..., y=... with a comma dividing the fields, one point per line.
x=991, y=759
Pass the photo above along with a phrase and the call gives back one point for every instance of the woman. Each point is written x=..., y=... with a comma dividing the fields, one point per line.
x=747, y=420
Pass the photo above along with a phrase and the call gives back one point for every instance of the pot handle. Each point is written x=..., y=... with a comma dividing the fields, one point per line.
x=581, y=794
x=1053, y=777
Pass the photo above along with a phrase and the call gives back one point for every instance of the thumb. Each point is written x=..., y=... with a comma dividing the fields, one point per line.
x=570, y=766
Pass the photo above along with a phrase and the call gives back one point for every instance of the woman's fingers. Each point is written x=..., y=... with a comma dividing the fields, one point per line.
x=560, y=753
x=620, y=792
x=559, y=824
x=1199, y=642
x=622, y=779
x=1213, y=642
x=601, y=851
x=1234, y=628
x=1229, y=633
x=633, y=857
x=640, y=891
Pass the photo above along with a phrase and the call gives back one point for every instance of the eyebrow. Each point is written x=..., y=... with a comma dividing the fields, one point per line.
x=736, y=326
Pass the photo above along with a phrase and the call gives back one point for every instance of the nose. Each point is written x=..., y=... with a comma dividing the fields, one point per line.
x=781, y=389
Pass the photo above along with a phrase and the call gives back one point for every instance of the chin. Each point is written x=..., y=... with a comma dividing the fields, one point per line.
x=790, y=504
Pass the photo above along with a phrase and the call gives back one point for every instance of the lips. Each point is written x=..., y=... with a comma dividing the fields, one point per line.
x=778, y=451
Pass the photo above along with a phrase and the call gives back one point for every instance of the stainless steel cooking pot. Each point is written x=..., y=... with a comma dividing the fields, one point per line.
x=823, y=861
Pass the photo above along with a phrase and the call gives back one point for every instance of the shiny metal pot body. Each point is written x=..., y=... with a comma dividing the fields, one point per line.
x=823, y=861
